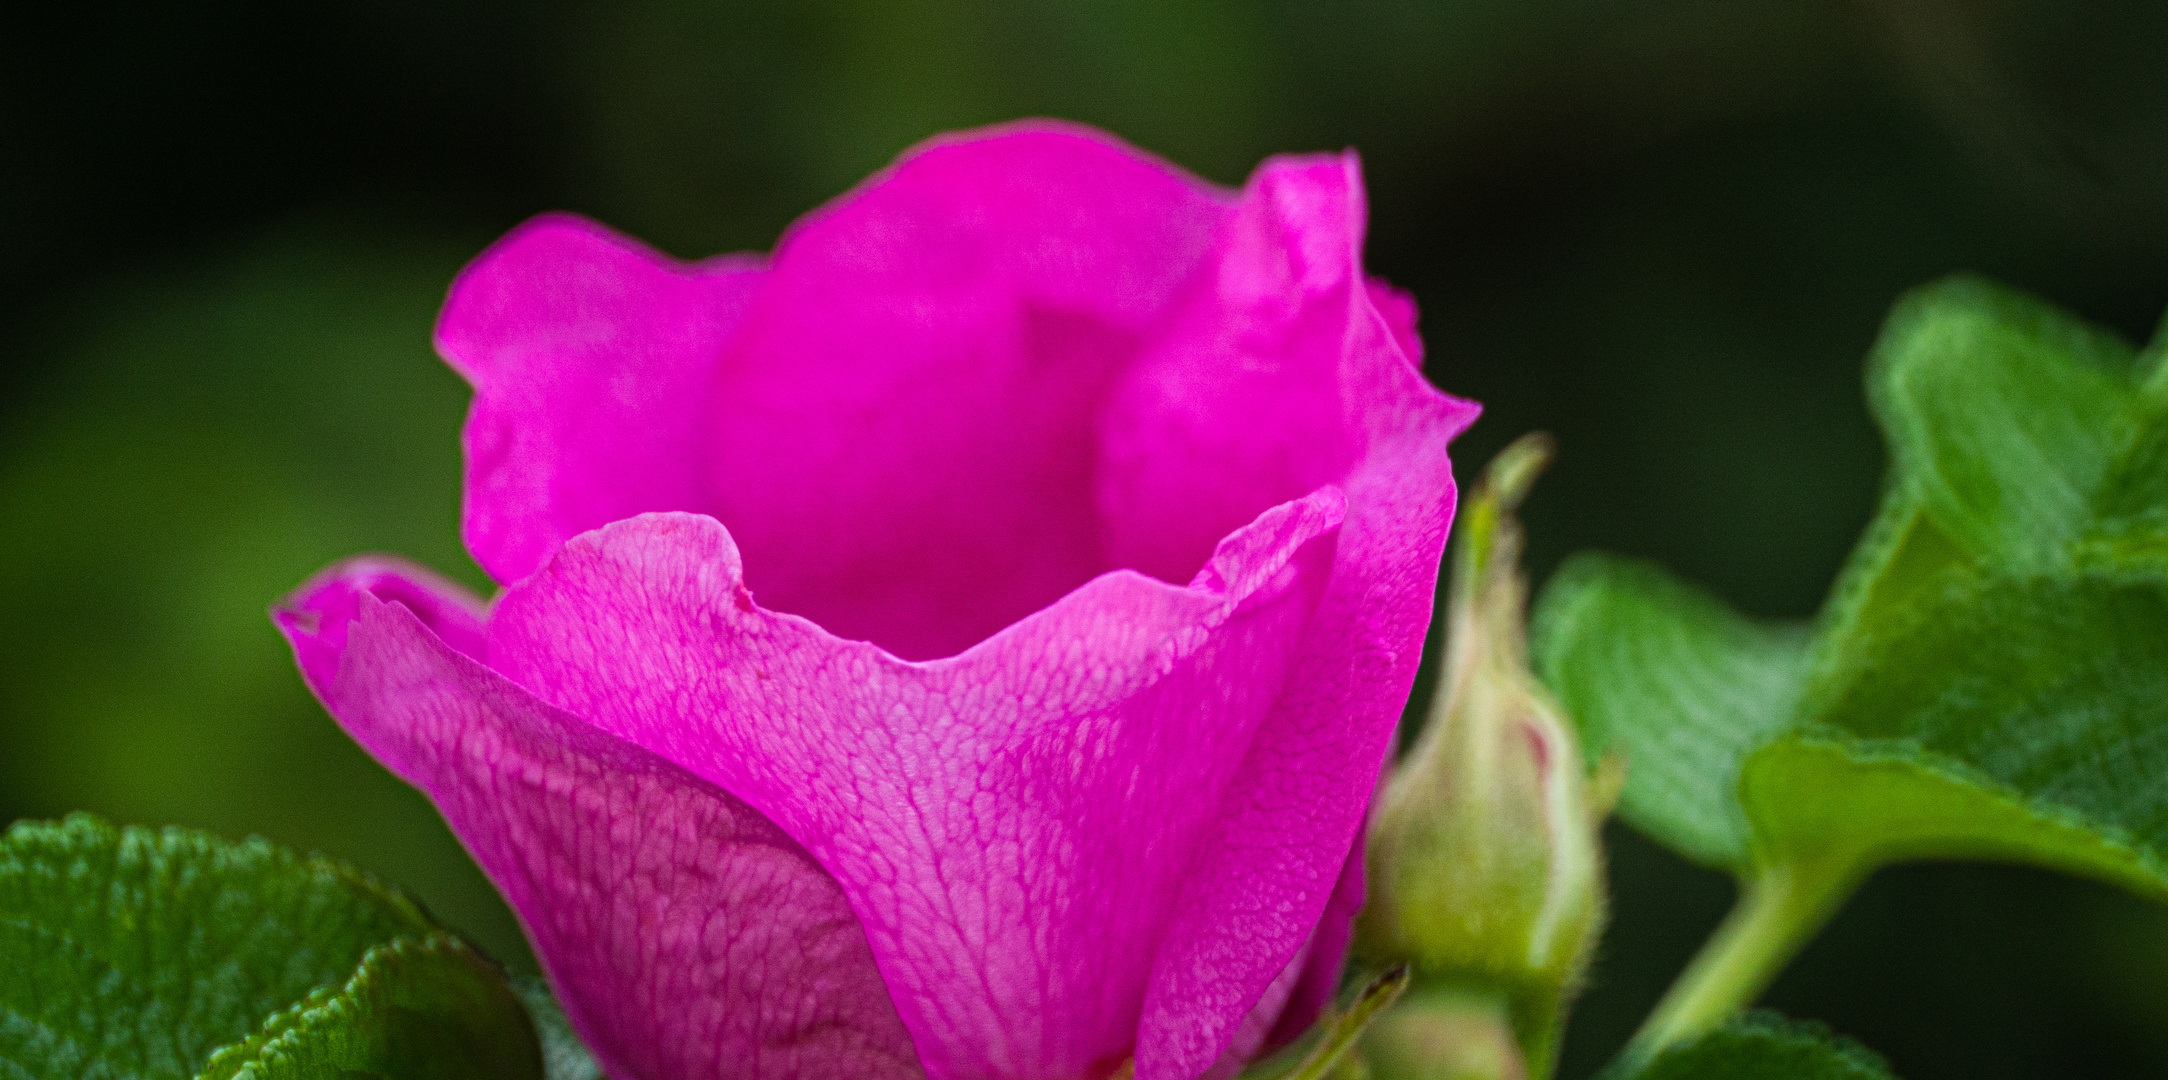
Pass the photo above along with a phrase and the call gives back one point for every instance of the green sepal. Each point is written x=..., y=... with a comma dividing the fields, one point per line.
x=1328, y=1050
x=1484, y=852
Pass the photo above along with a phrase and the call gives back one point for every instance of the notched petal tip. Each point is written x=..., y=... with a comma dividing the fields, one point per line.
x=1249, y=557
x=316, y=616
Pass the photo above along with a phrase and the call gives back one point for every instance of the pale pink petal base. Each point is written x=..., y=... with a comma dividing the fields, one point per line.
x=686, y=936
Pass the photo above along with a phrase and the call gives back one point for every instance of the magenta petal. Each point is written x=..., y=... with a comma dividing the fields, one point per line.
x=1015, y=825
x=685, y=934
x=1286, y=374
x=593, y=361
x=905, y=432
x=1398, y=310
x=987, y=407
x=316, y=618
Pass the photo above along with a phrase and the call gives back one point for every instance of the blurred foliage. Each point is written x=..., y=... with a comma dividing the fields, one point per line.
x=1664, y=230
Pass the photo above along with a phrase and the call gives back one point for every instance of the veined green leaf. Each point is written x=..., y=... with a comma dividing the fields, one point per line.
x=2001, y=621
x=132, y=953
x=1846, y=806
x=2052, y=690
x=2130, y=511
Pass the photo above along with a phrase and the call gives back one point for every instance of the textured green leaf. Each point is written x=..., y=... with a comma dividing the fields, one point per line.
x=2051, y=688
x=1762, y=1046
x=419, y=1008
x=1843, y=806
x=2009, y=426
x=2130, y=511
x=1680, y=685
x=132, y=953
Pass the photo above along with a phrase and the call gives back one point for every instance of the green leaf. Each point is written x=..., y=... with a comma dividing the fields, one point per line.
x=419, y=1008
x=2003, y=625
x=2002, y=415
x=131, y=953
x=1989, y=678
x=2130, y=511
x=1819, y=800
x=1762, y=1046
x=1683, y=687
x=2047, y=691
x=2009, y=424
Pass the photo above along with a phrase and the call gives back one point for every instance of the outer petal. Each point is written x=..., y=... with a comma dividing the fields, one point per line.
x=685, y=934
x=1326, y=954
x=593, y=361
x=1014, y=825
x=1285, y=374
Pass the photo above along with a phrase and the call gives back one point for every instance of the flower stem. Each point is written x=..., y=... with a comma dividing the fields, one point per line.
x=1780, y=907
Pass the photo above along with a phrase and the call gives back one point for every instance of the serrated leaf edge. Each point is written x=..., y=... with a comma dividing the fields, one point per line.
x=282, y=1031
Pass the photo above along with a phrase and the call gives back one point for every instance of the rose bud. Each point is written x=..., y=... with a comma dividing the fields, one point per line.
x=1485, y=857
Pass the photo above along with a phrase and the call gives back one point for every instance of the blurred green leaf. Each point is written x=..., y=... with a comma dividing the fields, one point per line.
x=2003, y=417
x=1683, y=687
x=1989, y=678
x=1762, y=1046
x=130, y=953
x=215, y=434
x=2001, y=629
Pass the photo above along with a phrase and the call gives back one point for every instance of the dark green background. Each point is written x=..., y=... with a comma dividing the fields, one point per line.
x=1665, y=230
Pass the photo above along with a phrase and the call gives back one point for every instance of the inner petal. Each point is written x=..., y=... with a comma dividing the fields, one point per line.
x=928, y=500
x=972, y=386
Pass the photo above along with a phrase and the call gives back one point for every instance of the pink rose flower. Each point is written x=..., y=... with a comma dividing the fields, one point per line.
x=962, y=644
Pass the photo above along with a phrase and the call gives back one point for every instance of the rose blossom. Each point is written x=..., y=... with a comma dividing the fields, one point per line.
x=961, y=644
